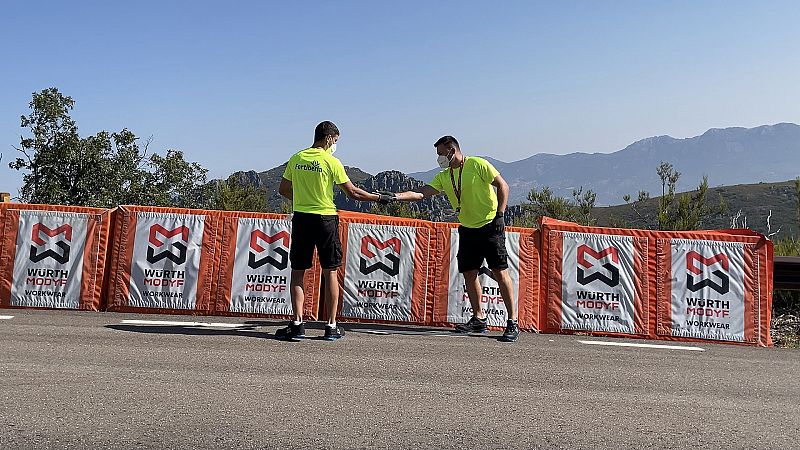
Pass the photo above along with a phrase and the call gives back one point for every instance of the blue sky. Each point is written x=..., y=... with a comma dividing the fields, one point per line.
x=241, y=85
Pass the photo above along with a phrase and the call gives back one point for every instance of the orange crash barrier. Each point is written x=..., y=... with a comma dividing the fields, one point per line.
x=162, y=260
x=698, y=285
x=52, y=256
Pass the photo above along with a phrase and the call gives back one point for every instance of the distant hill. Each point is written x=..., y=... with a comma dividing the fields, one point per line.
x=729, y=156
x=755, y=201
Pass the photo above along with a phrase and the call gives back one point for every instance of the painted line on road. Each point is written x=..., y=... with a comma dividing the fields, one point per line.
x=630, y=344
x=6, y=317
x=404, y=332
x=184, y=324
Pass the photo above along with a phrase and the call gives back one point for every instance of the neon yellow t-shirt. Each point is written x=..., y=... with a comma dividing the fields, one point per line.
x=313, y=172
x=478, y=198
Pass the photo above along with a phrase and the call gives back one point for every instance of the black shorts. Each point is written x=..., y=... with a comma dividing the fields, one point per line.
x=487, y=242
x=315, y=230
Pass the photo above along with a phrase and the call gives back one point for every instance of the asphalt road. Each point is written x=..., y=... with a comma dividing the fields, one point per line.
x=88, y=380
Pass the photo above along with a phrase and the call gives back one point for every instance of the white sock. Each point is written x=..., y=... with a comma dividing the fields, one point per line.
x=331, y=325
x=295, y=322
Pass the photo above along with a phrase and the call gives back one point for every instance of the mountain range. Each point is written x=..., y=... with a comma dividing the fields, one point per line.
x=729, y=156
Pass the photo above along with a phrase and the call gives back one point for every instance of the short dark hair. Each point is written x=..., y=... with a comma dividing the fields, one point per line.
x=444, y=140
x=325, y=129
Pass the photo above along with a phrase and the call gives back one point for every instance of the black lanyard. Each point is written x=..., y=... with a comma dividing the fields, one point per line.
x=457, y=190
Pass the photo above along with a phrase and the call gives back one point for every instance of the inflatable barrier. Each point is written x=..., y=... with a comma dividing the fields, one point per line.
x=52, y=256
x=690, y=286
x=703, y=285
x=162, y=260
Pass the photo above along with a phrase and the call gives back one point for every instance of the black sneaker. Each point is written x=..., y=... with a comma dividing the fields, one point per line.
x=333, y=333
x=511, y=334
x=474, y=325
x=292, y=332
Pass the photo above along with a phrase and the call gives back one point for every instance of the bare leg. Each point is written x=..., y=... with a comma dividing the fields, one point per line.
x=297, y=293
x=332, y=293
x=474, y=293
x=507, y=291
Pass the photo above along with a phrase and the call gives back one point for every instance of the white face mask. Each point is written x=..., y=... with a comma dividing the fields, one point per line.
x=444, y=161
x=332, y=149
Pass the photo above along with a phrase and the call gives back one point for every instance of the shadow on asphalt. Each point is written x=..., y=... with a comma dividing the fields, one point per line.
x=252, y=329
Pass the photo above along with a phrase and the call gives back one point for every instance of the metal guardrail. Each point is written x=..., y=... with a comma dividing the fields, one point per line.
x=786, y=273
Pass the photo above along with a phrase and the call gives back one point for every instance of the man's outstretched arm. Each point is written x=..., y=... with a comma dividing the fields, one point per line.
x=356, y=193
x=417, y=194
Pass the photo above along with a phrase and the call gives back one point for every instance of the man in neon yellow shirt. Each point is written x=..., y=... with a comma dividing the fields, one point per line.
x=469, y=184
x=308, y=182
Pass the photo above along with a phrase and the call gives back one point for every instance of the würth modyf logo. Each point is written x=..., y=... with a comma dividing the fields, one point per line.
x=282, y=251
x=156, y=243
x=366, y=255
x=691, y=269
x=37, y=254
x=612, y=269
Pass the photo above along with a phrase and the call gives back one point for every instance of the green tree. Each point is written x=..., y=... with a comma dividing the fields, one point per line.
x=578, y=209
x=687, y=211
x=103, y=170
x=797, y=200
x=233, y=195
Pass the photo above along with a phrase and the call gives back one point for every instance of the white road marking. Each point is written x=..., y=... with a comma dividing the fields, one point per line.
x=184, y=324
x=407, y=333
x=631, y=344
x=6, y=317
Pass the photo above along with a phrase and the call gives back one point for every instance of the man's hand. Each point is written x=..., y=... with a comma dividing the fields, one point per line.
x=499, y=221
x=385, y=197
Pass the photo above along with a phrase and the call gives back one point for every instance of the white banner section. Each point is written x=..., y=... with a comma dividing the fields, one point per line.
x=708, y=289
x=261, y=268
x=598, y=283
x=379, y=272
x=166, y=260
x=48, y=266
x=459, y=309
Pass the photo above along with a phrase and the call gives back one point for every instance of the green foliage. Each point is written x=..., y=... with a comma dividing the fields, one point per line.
x=687, y=211
x=233, y=195
x=103, y=170
x=787, y=247
x=398, y=209
x=578, y=209
x=797, y=200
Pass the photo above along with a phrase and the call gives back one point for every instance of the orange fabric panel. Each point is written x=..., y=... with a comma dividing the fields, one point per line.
x=94, y=262
x=121, y=259
x=553, y=271
x=663, y=288
x=8, y=241
x=642, y=282
x=527, y=294
x=440, y=266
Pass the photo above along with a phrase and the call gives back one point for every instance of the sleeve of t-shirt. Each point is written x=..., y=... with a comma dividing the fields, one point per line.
x=486, y=170
x=288, y=172
x=338, y=173
x=436, y=182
